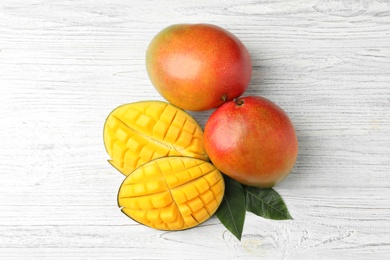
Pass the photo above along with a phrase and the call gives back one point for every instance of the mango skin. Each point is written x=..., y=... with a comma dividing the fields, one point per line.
x=198, y=66
x=254, y=142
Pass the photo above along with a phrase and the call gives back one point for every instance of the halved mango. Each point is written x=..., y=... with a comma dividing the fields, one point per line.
x=172, y=193
x=139, y=132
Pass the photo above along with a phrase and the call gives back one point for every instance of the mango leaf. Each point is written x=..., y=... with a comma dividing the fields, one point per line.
x=265, y=203
x=232, y=210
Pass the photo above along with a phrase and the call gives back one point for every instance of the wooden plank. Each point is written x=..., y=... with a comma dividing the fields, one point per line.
x=65, y=65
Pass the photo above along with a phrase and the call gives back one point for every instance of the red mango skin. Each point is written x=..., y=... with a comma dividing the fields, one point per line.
x=198, y=66
x=254, y=142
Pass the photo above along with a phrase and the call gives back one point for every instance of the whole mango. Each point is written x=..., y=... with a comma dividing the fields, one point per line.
x=198, y=66
x=252, y=140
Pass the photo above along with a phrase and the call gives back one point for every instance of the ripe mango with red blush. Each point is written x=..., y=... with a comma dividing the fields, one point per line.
x=198, y=66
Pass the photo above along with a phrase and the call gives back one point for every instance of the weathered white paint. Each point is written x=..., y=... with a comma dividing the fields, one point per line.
x=64, y=65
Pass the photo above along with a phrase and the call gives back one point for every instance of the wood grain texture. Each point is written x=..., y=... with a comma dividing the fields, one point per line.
x=64, y=65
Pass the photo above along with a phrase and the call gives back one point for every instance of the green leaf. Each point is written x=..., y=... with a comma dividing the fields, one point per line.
x=266, y=203
x=232, y=210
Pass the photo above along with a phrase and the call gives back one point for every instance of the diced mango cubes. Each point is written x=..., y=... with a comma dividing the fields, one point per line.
x=170, y=183
x=138, y=132
x=172, y=193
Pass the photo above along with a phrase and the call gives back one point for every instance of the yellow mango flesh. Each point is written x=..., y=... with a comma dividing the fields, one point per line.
x=172, y=193
x=138, y=132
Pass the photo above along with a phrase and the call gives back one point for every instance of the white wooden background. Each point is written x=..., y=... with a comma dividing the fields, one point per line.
x=64, y=65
